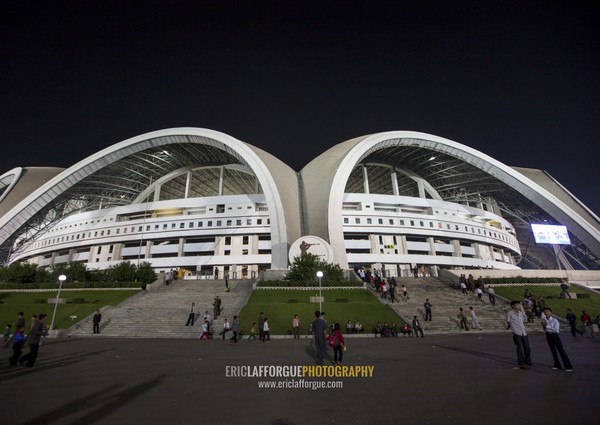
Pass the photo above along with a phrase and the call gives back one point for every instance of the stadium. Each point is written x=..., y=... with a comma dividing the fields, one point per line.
x=206, y=203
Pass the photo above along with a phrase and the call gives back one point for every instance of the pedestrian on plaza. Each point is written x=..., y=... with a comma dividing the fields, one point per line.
x=296, y=326
x=552, y=328
x=336, y=341
x=33, y=340
x=6, y=335
x=18, y=340
x=234, y=328
x=261, y=325
x=587, y=324
x=266, y=335
x=572, y=319
x=319, y=325
x=515, y=321
x=253, y=332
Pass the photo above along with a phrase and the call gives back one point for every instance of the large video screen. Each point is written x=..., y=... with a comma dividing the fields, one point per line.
x=546, y=233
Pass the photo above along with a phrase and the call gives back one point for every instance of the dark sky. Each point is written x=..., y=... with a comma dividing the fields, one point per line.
x=516, y=80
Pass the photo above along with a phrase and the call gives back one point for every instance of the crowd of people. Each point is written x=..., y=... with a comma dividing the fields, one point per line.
x=20, y=337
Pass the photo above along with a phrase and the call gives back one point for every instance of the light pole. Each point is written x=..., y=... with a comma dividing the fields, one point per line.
x=320, y=275
x=61, y=279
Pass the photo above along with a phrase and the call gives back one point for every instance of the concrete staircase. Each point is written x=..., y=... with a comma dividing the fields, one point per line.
x=446, y=301
x=164, y=312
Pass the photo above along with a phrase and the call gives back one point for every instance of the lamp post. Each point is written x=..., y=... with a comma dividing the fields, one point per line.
x=320, y=275
x=61, y=279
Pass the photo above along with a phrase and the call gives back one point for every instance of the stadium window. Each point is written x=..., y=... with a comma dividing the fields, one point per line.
x=391, y=222
x=259, y=221
x=219, y=223
x=227, y=240
x=229, y=222
x=248, y=222
x=345, y=220
x=380, y=221
x=369, y=221
x=357, y=221
x=238, y=222
x=245, y=240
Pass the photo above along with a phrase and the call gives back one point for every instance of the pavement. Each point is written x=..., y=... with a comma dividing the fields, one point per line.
x=450, y=379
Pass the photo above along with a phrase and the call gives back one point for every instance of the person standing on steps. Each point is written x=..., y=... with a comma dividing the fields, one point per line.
x=427, y=307
x=474, y=321
x=462, y=319
x=491, y=295
x=418, y=330
x=96, y=322
x=205, y=331
x=191, y=315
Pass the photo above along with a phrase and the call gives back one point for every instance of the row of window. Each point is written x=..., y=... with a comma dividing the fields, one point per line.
x=155, y=227
x=421, y=223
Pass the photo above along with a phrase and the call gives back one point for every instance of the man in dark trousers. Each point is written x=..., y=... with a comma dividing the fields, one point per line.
x=319, y=325
x=427, y=307
x=33, y=339
x=191, y=316
x=572, y=319
x=96, y=321
x=552, y=328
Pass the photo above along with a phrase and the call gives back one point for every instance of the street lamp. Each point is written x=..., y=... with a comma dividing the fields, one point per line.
x=61, y=279
x=320, y=275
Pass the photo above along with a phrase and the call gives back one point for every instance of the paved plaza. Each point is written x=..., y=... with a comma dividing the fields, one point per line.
x=459, y=379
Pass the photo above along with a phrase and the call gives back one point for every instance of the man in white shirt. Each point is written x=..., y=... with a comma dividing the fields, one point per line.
x=552, y=328
x=515, y=321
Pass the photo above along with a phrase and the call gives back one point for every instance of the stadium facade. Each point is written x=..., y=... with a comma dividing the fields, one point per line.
x=205, y=202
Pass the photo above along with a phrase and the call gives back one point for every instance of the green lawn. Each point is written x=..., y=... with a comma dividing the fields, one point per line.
x=280, y=306
x=79, y=303
x=551, y=296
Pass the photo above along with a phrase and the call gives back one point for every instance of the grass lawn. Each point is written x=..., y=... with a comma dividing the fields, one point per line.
x=551, y=295
x=79, y=303
x=340, y=306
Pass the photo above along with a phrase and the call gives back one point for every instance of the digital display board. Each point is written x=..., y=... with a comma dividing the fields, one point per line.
x=546, y=233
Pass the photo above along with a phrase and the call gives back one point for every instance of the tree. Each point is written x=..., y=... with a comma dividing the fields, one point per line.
x=305, y=267
x=145, y=273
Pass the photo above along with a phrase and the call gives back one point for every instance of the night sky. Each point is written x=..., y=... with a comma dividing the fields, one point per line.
x=516, y=80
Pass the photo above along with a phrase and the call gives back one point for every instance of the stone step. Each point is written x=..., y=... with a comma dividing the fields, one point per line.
x=446, y=301
x=164, y=312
